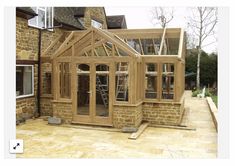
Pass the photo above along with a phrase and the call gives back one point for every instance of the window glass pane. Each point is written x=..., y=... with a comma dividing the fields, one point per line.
x=96, y=24
x=121, y=82
x=19, y=80
x=49, y=19
x=102, y=90
x=168, y=81
x=151, y=81
x=41, y=18
x=27, y=80
x=24, y=80
x=147, y=45
x=172, y=46
x=134, y=43
x=157, y=43
x=83, y=89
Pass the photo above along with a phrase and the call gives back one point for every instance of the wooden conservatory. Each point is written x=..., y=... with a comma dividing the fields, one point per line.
x=118, y=78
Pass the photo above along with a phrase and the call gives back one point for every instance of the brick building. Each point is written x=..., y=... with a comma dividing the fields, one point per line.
x=28, y=27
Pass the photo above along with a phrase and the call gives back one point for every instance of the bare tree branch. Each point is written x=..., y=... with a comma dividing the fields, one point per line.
x=162, y=16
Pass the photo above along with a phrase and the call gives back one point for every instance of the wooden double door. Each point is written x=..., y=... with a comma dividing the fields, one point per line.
x=92, y=100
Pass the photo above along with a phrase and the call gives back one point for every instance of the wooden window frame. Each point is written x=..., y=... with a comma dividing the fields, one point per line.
x=174, y=75
x=157, y=80
x=128, y=83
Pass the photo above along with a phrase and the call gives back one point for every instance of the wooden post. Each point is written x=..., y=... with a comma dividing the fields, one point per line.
x=92, y=43
x=181, y=43
x=74, y=87
x=162, y=42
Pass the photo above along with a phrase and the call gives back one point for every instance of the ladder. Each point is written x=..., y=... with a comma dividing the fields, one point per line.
x=121, y=89
x=102, y=91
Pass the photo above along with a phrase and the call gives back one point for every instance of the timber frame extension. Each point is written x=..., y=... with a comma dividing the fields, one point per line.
x=118, y=77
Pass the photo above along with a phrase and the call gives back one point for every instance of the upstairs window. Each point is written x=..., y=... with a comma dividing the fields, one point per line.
x=44, y=19
x=96, y=24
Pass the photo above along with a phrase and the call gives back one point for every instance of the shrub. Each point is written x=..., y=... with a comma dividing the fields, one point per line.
x=196, y=92
x=207, y=93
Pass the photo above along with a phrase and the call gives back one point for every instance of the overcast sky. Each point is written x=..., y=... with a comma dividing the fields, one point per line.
x=140, y=17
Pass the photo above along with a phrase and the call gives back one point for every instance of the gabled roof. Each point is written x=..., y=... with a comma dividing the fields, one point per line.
x=105, y=37
x=25, y=12
x=116, y=22
x=65, y=16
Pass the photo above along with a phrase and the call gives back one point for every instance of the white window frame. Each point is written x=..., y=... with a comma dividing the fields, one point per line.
x=45, y=21
x=32, y=94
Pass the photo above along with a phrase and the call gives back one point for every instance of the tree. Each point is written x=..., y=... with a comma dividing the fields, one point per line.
x=202, y=23
x=208, y=65
x=162, y=16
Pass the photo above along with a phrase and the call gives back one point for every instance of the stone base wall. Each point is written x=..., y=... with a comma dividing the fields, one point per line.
x=46, y=106
x=26, y=106
x=63, y=110
x=163, y=113
x=127, y=116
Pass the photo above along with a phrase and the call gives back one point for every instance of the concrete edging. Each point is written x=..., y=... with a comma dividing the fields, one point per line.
x=213, y=111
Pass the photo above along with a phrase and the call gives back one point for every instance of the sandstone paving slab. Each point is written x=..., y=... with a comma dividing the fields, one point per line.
x=46, y=141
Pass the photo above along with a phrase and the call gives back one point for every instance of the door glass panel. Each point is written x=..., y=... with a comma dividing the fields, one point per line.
x=102, y=90
x=83, y=89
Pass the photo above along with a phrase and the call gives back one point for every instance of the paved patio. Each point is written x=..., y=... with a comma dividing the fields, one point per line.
x=45, y=141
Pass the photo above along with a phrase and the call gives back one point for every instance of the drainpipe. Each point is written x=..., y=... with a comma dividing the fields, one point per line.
x=39, y=71
x=39, y=66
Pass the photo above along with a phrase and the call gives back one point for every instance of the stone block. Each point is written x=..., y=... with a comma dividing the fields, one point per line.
x=54, y=120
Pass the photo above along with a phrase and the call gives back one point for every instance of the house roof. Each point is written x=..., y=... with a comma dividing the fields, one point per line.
x=116, y=22
x=79, y=11
x=25, y=12
x=65, y=16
